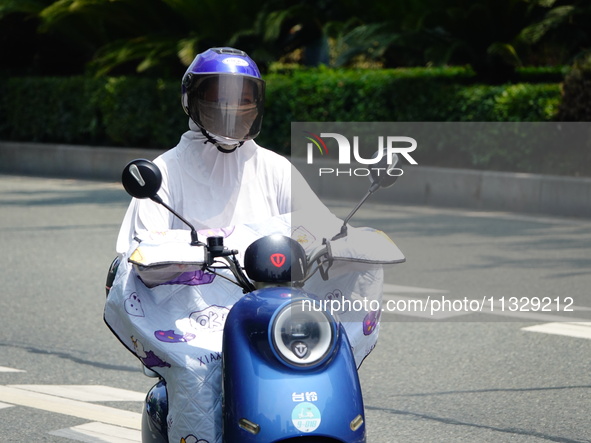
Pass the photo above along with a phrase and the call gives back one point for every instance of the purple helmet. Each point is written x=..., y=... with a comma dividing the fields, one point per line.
x=223, y=93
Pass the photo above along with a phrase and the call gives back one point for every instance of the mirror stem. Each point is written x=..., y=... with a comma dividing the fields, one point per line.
x=194, y=238
x=343, y=232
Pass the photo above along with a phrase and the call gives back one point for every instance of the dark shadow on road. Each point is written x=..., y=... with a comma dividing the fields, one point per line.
x=72, y=358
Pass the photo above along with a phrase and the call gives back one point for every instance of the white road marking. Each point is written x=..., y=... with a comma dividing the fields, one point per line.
x=74, y=408
x=95, y=432
x=4, y=405
x=432, y=307
x=5, y=369
x=551, y=316
x=88, y=393
x=570, y=329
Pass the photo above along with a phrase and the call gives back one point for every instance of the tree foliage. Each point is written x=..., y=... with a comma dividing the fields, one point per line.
x=161, y=37
x=576, y=92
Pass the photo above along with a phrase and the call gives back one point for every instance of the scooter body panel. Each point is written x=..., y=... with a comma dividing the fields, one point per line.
x=266, y=400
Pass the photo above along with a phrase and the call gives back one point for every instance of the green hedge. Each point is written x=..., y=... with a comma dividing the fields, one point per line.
x=78, y=110
x=419, y=95
x=142, y=112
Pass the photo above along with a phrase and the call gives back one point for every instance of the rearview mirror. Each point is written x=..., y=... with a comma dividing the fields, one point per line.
x=141, y=178
x=384, y=173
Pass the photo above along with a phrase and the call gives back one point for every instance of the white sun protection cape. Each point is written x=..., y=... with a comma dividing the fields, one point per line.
x=173, y=316
x=214, y=189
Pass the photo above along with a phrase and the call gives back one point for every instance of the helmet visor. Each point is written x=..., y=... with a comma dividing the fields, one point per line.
x=227, y=105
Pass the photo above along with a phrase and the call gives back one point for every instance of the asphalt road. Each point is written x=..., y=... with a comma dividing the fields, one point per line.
x=437, y=374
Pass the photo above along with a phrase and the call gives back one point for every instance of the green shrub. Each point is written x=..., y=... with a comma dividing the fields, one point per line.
x=60, y=110
x=142, y=112
x=405, y=95
x=79, y=110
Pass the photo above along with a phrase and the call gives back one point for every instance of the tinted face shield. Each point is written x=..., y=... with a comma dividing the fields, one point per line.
x=227, y=105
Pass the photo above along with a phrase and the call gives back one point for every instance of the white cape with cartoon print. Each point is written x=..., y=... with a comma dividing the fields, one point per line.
x=175, y=328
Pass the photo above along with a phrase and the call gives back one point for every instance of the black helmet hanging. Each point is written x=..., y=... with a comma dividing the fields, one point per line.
x=275, y=259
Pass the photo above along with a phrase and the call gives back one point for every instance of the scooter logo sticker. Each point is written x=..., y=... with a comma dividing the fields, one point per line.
x=300, y=349
x=278, y=260
x=306, y=417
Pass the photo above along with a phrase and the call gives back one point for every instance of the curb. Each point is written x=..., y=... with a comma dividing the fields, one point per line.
x=472, y=189
x=71, y=161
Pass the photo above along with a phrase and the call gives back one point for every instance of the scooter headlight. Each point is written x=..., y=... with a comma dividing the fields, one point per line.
x=301, y=336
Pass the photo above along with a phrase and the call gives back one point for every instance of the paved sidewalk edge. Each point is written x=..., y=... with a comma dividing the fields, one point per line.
x=480, y=190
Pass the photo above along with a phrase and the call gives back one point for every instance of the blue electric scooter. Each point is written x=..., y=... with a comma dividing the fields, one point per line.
x=289, y=374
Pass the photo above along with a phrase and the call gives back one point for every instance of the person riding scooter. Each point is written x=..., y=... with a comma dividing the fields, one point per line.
x=218, y=178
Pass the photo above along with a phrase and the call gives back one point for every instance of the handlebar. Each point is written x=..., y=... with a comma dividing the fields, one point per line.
x=157, y=263
x=215, y=248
